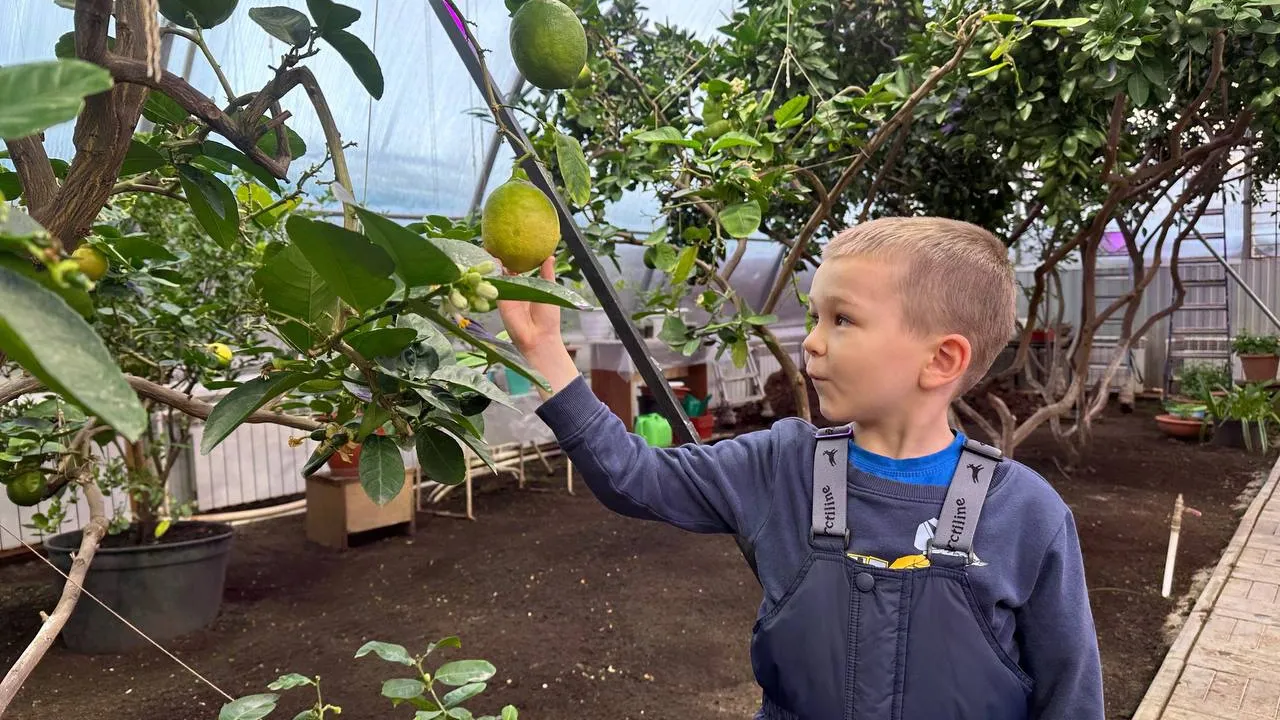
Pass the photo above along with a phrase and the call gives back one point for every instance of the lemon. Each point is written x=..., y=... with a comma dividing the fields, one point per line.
x=208, y=13
x=92, y=263
x=548, y=44
x=27, y=489
x=220, y=351
x=519, y=225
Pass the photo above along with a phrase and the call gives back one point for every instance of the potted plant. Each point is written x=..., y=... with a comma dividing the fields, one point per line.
x=1197, y=379
x=1259, y=356
x=162, y=570
x=1244, y=416
x=1184, y=420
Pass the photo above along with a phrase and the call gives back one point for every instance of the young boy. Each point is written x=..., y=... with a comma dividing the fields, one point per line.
x=908, y=572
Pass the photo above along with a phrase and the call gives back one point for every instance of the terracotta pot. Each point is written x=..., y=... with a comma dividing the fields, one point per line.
x=1180, y=427
x=705, y=425
x=1260, y=368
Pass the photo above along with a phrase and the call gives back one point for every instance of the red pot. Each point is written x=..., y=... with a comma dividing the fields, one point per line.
x=1180, y=427
x=1259, y=368
x=705, y=425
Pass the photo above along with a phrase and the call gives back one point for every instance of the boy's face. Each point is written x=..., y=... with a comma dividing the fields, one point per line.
x=864, y=362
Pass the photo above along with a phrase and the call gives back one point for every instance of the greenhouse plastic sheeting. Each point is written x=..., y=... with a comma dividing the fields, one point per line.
x=420, y=149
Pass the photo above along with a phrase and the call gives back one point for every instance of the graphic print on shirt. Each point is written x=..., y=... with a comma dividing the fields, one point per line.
x=925, y=533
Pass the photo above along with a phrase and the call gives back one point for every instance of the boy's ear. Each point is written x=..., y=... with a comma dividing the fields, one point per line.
x=949, y=363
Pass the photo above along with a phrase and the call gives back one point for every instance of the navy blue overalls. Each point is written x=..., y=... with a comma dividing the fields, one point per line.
x=852, y=641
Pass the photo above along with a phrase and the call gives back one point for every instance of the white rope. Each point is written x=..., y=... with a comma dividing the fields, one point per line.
x=131, y=626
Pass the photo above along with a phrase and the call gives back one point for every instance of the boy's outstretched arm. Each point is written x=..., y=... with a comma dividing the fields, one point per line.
x=1058, y=640
x=721, y=488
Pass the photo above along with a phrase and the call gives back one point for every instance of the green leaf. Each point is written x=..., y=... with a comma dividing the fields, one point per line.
x=381, y=469
x=741, y=220
x=269, y=145
x=240, y=403
x=509, y=713
x=472, y=379
x=141, y=158
x=53, y=343
x=460, y=714
x=665, y=135
x=731, y=139
x=138, y=248
x=428, y=714
x=43, y=94
x=361, y=59
x=163, y=110
x=232, y=156
x=469, y=438
x=463, y=672
x=387, y=651
x=493, y=353
x=441, y=459
x=684, y=265
x=987, y=71
x=739, y=353
x=762, y=319
x=999, y=17
x=382, y=341
x=357, y=270
x=519, y=287
x=417, y=260
x=252, y=707
x=1070, y=146
x=10, y=185
x=1139, y=89
x=402, y=688
x=76, y=297
x=790, y=111
x=463, y=253
x=1061, y=22
x=330, y=16
x=573, y=169
x=285, y=24
x=1270, y=56
x=456, y=697
x=674, y=331
x=212, y=202
x=292, y=287
x=290, y=681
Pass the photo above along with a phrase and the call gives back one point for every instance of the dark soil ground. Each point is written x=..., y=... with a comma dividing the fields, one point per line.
x=590, y=615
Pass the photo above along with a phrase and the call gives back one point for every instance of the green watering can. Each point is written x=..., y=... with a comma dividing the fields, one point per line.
x=654, y=429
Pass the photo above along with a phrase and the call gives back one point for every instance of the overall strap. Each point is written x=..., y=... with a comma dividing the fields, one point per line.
x=966, y=494
x=830, y=495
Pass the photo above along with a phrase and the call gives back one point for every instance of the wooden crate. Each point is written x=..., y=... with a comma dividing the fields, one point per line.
x=337, y=507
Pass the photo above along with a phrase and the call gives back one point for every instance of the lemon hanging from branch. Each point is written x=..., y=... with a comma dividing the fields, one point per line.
x=548, y=44
x=519, y=225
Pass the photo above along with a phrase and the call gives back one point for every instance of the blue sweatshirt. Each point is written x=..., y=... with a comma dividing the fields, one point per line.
x=1029, y=578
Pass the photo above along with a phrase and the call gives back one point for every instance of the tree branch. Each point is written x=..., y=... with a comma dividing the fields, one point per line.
x=53, y=623
x=965, y=35
x=196, y=408
x=39, y=184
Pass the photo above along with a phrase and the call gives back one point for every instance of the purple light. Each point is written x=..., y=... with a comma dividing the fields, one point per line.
x=458, y=22
x=1113, y=241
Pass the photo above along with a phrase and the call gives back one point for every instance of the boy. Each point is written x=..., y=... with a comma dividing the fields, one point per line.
x=908, y=572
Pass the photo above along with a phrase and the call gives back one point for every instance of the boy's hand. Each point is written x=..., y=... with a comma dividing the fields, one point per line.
x=535, y=331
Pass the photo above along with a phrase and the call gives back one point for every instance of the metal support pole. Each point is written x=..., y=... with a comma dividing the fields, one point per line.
x=682, y=429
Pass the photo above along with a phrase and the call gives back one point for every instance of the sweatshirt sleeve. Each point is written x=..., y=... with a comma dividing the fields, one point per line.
x=1058, y=638
x=721, y=488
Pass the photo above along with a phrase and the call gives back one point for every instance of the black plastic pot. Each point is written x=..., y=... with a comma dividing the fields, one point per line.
x=166, y=590
x=1231, y=433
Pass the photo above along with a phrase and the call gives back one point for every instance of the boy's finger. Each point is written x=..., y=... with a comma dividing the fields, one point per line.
x=549, y=268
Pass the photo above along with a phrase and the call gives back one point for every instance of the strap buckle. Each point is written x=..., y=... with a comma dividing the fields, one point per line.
x=813, y=535
x=970, y=558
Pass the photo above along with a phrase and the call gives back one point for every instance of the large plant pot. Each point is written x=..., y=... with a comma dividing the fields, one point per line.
x=166, y=590
x=1260, y=368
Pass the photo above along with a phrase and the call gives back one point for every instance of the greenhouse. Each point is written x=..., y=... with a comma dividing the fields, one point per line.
x=417, y=356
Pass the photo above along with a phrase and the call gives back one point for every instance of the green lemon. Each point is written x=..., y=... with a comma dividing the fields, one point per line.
x=519, y=225
x=548, y=44
x=208, y=13
x=27, y=489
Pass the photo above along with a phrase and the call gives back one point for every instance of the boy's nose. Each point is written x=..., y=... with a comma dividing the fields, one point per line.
x=812, y=343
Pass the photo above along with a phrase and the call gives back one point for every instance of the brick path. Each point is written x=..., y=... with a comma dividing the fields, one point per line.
x=1225, y=663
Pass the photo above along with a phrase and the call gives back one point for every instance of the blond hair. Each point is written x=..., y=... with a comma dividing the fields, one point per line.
x=955, y=278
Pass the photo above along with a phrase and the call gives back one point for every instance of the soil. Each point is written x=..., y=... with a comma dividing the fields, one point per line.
x=587, y=614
